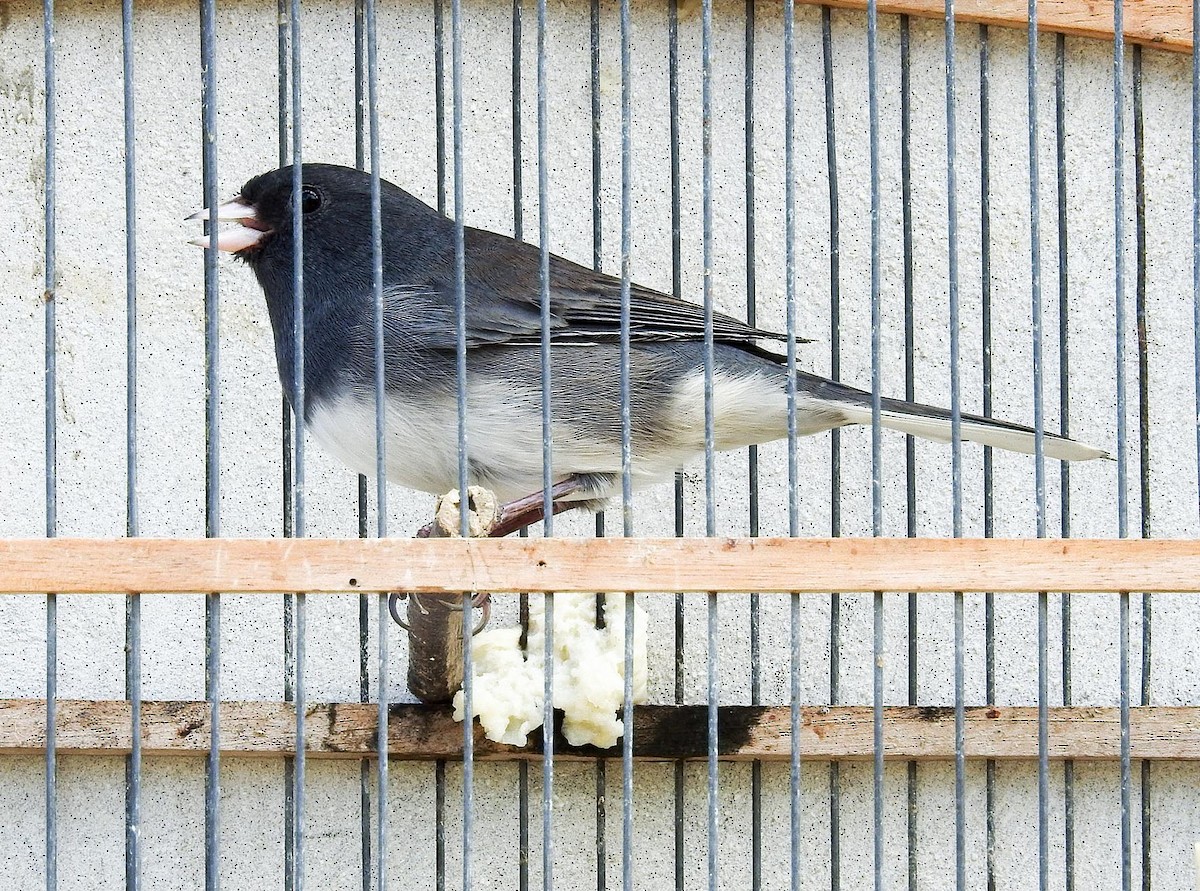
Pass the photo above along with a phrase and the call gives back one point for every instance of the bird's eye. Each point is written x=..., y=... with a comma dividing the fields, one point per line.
x=310, y=200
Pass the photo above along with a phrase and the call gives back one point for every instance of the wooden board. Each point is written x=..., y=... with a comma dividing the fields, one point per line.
x=1163, y=24
x=606, y=564
x=415, y=732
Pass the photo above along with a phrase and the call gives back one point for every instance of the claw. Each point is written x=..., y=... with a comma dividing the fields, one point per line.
x=481, y=601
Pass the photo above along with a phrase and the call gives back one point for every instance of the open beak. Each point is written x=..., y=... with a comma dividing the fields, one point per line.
x=248, y=234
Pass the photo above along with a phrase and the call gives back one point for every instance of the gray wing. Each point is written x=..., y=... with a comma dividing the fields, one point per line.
x=504, y=305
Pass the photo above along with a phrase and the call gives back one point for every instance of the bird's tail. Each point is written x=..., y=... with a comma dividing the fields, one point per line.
x=930, y=422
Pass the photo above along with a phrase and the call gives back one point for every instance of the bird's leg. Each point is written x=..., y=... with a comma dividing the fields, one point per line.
x=532, y=508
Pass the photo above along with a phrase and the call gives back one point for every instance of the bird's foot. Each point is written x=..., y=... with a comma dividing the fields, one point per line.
x=486, y=519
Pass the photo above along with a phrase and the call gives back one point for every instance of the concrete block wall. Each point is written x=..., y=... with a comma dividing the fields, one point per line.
x=90, y=407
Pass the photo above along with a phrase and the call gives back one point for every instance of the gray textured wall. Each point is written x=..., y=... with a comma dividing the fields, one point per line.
x=91, y=394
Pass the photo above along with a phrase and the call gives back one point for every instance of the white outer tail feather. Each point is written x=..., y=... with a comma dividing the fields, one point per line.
x=939, y=430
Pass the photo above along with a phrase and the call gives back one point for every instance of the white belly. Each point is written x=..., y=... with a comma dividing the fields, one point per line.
x=504, y=435
x=505, y=455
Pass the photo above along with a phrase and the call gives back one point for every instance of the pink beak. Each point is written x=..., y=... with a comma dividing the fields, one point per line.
x=239, y=237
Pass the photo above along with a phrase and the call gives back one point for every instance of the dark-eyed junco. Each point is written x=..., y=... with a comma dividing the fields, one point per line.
x=503, y=336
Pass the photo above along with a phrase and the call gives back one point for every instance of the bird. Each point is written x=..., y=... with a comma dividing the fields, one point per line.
x=503, y=354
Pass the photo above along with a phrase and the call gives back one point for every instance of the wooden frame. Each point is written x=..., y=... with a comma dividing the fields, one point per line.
x=347, y=730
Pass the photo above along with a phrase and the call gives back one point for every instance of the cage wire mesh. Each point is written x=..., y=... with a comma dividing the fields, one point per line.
x=964, y=214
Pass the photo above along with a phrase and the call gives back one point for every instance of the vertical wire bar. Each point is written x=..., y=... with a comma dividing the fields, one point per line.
x=989, y=512
x=679, y=774
x=627, y=432
x=601, y=826
x=51, y=446
x=835, y=448
x=710, y=475
x=835, y=435
x=876, y=430
x=1126, y=770
x=547, y=451
x=439, y=806
x=1064, y=413
x=1139, y=167
x=1039, y=451
x=677, y=291
x=1122, y=427
x=956, y=473
x=548, y=737
x=364, y=620
x=597, y=257
x=460, y=274
x=439, y=99
x=910, y=448
x=298, y=771
x=752, y=319
x=133, y=602
x=289, y=653
x=518, y=164
x=626, y=260
x=381, y=499
x=439, y=115
x=212, y=464
x=789, y=176
x=1196, y=232
x=381, y=732
x=594, y=56
x=382, y=621
x=1035, y=268
x=283, y=90
x=298, y=408
x=752, y=452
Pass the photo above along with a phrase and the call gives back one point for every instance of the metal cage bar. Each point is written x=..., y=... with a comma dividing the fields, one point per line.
x=50, y=455
x=133, y=602
x=212, y=463
x=835, y=452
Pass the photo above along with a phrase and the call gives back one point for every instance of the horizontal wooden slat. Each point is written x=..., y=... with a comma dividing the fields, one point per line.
x=1163, y=24
x=415, y=732
x=611, y=564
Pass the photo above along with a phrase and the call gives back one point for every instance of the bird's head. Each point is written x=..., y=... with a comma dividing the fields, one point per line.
x=335, y=203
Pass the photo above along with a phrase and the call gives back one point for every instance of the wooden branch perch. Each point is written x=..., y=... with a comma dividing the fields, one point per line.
x=724, y=565
x=435, y=633
x=661, y=732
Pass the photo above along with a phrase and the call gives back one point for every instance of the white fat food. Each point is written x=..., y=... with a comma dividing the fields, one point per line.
x=589, y=673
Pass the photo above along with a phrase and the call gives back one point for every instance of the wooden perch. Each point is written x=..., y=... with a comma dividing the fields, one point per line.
x=661, y=732
x=536, y=565
x=435, y=632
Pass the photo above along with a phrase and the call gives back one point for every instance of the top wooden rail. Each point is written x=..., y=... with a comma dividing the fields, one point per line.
x=612, y=564
x=1163, y=24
